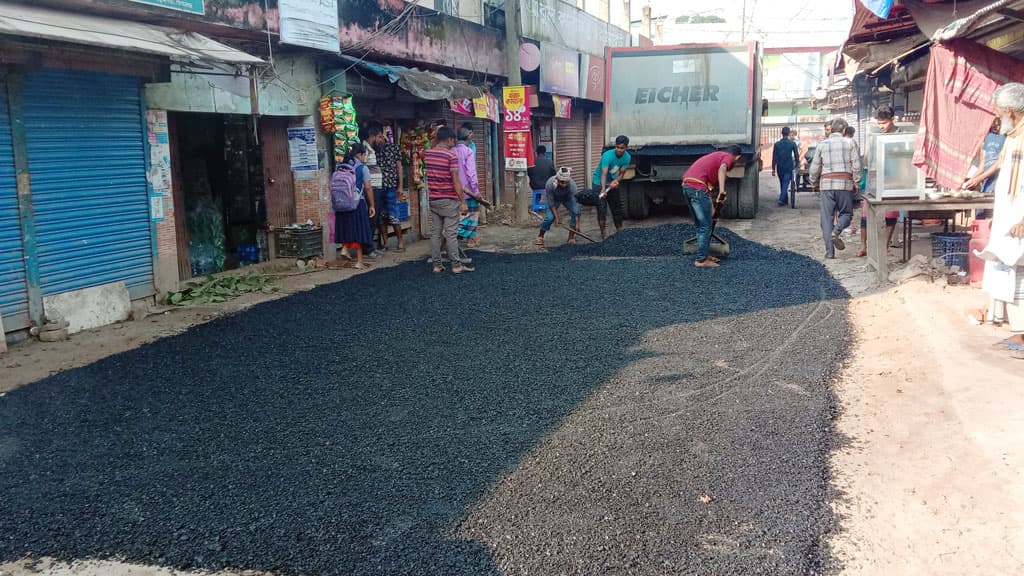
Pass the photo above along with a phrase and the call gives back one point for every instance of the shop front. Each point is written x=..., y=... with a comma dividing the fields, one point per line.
x=408, y=104
x=80, y=213
x=232, y=180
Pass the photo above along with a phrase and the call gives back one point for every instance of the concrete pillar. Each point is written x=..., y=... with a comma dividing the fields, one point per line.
x=645, y=22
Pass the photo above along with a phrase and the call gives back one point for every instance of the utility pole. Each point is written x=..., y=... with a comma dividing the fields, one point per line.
x=513, y=24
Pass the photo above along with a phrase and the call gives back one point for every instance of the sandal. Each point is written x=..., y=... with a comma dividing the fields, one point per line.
x=462, y=269
x=538, y=242
x=862, y=254
x=1009, y=345
x=571, y=241
x=438, y=269
x=714, y=259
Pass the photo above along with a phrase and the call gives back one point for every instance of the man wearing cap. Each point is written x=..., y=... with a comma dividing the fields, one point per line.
x=560, y=190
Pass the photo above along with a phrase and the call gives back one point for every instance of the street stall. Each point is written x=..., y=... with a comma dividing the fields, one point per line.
x=923, y=174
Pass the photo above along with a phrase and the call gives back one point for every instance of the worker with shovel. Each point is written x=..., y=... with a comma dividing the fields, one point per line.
x=701, y=180
x=560, y=190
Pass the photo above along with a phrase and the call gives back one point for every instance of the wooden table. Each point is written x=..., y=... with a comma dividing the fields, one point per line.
x=876, y=222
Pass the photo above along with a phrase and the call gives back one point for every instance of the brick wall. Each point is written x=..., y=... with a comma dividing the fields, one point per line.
x=161, y=183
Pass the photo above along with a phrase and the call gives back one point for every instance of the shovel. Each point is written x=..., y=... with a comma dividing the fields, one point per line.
x=564, y=227
x=718, y=244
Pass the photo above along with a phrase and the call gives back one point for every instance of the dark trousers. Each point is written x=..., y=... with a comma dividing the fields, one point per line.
x=785, y=177
x=614, y=201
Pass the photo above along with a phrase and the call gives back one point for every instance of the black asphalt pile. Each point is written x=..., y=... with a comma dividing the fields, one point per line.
x=664, y=240
x=547, y=414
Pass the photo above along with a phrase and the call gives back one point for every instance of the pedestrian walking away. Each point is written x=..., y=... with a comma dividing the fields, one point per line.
x=446, y=200
x=560, y=190
x=471, y=186
x=835, y=171
x=702, y=179
x=606, y=181
x=785, y=160
x=352, y=227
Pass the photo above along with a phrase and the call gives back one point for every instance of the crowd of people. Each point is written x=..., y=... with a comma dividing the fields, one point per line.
x=377, y=180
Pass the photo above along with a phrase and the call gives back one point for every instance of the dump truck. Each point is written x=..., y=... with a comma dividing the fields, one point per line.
x=676, y=104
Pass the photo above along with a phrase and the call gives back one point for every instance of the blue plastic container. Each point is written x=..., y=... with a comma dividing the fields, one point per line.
x=953, y=248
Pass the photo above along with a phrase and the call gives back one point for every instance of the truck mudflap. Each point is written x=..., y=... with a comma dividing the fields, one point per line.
x=744, y=194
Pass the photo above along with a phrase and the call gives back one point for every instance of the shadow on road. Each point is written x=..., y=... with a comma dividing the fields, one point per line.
x=350, y=429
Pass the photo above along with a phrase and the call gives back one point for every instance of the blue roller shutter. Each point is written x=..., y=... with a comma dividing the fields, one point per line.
x=86, y=155
x=13, y=295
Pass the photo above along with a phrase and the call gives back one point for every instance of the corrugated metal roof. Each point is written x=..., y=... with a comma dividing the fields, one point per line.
x=33, y=22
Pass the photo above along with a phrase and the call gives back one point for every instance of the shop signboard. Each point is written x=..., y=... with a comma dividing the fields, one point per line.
x=190, y=6
x=517, y=109
x=302, y=148
x=518, y=150
x=592, y=77
x=310, y=23
x=559, y=70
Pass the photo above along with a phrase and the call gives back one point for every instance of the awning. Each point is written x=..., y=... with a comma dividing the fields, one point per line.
x=32, y=22
x=420, y=83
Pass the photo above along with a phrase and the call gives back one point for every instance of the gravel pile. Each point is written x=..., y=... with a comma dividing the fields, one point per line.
x=549, y=414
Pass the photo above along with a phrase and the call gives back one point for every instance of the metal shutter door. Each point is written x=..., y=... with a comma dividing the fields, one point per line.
x=571, y=146
x=13, y=294
x=87, y=160
x=596, y=146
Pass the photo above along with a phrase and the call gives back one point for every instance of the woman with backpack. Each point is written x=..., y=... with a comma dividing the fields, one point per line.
x=352, y=199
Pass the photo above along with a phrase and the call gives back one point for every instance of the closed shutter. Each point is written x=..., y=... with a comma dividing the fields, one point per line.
x=596, y=146
x=571, y=146
x=13, y=295
x=86, y=156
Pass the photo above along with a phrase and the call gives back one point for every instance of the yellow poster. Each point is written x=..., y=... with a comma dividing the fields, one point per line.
x=480, y=107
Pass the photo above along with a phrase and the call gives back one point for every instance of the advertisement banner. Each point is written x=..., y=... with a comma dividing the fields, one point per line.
x=518, y=150
x=559, y=70
x=493, y=109
x=463, y=106
x=310, y=23
x=563, y=106
x=517, y=108
x=481, y=107
x=592, y=78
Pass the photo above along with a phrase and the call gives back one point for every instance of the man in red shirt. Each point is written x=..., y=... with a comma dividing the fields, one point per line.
x=704, y=176
x=447, y=199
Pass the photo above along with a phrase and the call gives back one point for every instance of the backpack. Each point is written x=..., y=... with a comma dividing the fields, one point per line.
x=345, y=195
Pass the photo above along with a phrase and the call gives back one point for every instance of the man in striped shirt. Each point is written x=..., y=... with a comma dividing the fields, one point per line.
x=835, y=171
x=447, y=200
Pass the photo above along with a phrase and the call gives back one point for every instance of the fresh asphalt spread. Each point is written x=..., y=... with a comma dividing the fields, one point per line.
x=599, y=409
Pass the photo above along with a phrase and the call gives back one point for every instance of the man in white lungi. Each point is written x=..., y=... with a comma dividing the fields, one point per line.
x=1004, y=255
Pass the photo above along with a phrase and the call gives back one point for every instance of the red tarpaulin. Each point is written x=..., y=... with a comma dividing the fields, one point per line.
x=958, y=107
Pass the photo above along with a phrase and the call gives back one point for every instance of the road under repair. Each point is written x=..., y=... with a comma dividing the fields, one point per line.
x=594, y=409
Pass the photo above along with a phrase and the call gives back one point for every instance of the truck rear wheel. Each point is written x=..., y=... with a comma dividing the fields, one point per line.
x=638, y=207
x=748, y=194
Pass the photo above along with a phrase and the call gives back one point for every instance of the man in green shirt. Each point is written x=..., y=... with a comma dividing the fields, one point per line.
x=606, y=183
